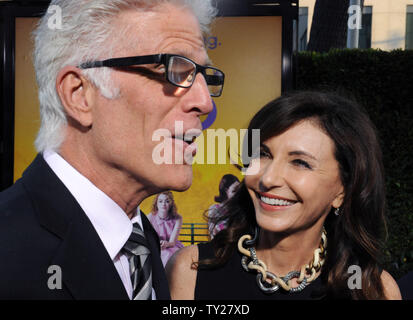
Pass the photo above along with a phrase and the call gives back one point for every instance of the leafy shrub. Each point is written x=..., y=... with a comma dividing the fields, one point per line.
x=382, y=82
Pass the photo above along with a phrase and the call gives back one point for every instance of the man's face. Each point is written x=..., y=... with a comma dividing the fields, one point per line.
x=123, y=127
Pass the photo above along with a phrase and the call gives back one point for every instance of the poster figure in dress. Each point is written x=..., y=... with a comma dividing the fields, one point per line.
x=227, y=188
x=167, y=223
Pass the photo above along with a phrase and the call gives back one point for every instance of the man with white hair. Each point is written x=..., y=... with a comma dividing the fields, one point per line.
x=115, y=73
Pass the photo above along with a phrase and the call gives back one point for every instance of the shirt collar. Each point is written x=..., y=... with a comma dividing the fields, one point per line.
x=109, y=220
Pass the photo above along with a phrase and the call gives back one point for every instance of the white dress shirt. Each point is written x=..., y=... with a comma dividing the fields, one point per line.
x=109, y=220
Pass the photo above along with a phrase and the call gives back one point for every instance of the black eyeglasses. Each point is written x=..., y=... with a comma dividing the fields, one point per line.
x=180, y=71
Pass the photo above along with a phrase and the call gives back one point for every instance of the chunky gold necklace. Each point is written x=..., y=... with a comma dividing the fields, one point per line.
x=269, y=282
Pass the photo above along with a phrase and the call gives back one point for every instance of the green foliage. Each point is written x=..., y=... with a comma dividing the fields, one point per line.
x=383, y=83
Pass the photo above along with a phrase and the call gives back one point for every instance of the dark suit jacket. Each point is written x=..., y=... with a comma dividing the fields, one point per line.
x=41, y=225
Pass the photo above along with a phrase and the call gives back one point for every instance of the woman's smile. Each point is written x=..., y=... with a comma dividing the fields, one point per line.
x=271, y=202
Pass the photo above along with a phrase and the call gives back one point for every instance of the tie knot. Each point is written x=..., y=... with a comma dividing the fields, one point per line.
x=139, y=264
x=136, y=227
x=136, y=244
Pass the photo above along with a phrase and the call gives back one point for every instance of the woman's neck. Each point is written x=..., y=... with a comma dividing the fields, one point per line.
x=162, y=215
x=283, y=253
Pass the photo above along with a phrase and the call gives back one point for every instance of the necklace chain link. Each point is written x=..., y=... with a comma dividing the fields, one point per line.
x=269, y=282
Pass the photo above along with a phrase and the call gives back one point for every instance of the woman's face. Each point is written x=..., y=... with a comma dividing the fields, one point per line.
x=163, y=203
x=231, y=189
x=298, y=179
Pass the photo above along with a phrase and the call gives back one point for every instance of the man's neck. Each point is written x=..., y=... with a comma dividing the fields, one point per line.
x=122, y=189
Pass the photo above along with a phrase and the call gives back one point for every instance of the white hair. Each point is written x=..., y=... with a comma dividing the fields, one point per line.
x=84, y=36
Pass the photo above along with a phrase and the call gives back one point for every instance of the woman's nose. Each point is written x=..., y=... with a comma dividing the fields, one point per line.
x=272, y=176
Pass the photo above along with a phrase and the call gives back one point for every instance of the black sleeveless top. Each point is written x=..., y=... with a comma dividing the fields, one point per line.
x=232, y=282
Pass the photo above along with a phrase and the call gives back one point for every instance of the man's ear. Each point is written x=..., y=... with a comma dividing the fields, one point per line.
x=72, y=88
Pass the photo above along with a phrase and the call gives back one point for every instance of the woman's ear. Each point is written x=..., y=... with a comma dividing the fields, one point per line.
x=72, y=88
x=338, y=200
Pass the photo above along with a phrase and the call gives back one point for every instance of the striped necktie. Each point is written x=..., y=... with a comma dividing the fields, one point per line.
x=140, y=266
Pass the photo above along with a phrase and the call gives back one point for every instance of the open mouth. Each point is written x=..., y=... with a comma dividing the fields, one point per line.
x=273, y=201
x=189, y=136
x=185, y=139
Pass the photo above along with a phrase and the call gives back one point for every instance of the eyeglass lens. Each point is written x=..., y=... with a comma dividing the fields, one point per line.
x=181, y=72
x=214, y=81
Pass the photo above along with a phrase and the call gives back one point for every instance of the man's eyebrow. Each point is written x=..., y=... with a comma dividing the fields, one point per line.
x=187, y=54
x=302, y=153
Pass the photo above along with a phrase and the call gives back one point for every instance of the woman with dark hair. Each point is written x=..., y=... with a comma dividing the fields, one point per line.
x=307, y=220
x=217, y=212
x=167, y=223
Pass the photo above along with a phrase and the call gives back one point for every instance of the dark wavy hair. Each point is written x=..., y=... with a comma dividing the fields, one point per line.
x=226, y=181
x=355, y=236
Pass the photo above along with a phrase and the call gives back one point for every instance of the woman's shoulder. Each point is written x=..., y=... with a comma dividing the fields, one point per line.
x=177, y=216
x=188, y=253
x=175, y=219
x=390, y=287
x=181, y=274
x=150, y=216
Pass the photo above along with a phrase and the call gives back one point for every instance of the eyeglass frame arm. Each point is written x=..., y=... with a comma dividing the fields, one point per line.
x=155, y=58
x=125, y=62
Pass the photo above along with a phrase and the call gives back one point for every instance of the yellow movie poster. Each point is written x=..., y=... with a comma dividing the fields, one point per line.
x=247, y=49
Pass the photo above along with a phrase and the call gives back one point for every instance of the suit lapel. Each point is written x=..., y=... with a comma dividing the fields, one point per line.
x=159, y=281
x=87, y=269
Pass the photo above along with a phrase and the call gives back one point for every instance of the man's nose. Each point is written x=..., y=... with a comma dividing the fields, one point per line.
x=199, y=97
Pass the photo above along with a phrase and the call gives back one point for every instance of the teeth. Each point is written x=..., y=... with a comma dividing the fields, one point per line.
x=276, y=202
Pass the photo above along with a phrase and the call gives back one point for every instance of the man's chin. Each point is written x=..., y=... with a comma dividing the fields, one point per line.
x=180, y=181
x=182, y=186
